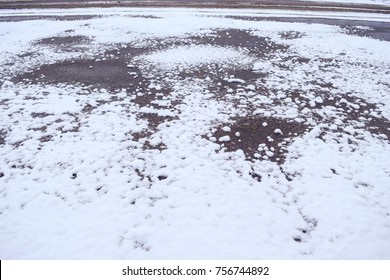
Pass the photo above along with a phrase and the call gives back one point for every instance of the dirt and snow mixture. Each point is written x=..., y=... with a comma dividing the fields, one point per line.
x=371, y=2
x=185, y=134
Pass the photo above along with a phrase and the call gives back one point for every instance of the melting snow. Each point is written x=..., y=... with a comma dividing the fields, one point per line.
x=185, y=142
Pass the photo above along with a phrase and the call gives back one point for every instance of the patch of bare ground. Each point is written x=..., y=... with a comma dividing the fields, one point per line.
x=256, y=45
x=293, y=59
x=25, y=54
x=64, y=41
x=153, y=122
x=56, y=18
x=45, y=138
x=3, y=135
x=372, y=29
x=143, y=16
x=379, y=126
x=124, y=52
x=108, y=73
x=113, y=71
x=40, y=115
x=222, y=80
x=356, y=111
x=4, y=101
x=375, y=32
x=259, y=137
x=290, y=35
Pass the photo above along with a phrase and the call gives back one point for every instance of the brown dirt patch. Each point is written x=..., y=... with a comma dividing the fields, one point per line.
x=153, y=122
x=290, y=35
x=108, y=73
x=63, y=40
x=379, y=126
x=259, y=137
x=238, y=38
x=3, y=135
x=40, y=115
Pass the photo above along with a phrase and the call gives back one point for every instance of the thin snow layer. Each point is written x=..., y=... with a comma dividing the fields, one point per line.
x=152, y=158
x=185, y=57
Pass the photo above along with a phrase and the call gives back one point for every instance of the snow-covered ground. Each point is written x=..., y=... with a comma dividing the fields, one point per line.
x=185, y=134
x=200, y=3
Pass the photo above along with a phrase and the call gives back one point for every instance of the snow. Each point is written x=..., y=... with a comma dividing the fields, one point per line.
x=236, y=80
x=195, y=56
x=225, y=138
x=269, y=154
x=93, y=171
x=278, y=131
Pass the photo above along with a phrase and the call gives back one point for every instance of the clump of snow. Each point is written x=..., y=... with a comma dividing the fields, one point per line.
x=225, y=138
x=278, y=131
x=269, y=154
x=250, y=87
x=236, y=80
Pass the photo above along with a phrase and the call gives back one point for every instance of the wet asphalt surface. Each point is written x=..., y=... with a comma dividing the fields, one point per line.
x=263, y=4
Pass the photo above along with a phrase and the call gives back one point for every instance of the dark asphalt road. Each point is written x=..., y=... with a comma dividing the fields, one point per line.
x=264, y=4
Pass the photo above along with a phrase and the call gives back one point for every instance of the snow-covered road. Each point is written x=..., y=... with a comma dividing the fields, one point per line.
x=194, y=134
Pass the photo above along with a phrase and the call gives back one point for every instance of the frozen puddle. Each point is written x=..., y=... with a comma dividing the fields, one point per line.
x=177, y=134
